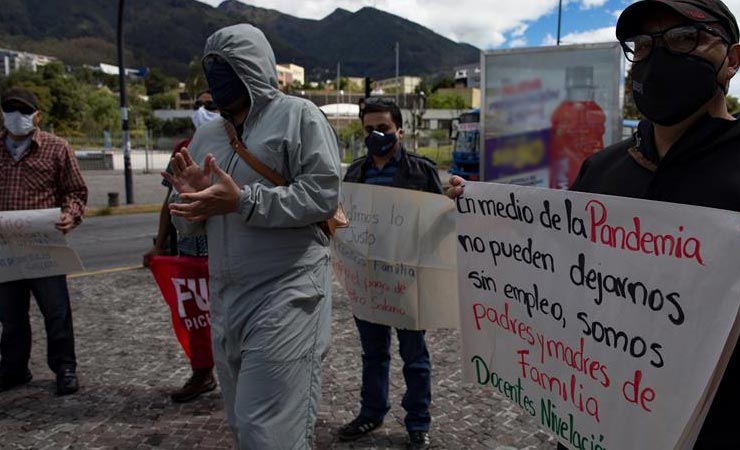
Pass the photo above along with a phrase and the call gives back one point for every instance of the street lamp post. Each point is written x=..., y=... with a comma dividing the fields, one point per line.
x=125, y=143
x=398, y=84
x=560, y=15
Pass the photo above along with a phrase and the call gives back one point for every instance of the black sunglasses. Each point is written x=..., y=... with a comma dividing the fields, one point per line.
x=681, y=40
x=210, y=105
x=379, y=101
x=22, y=108
x=211, y=59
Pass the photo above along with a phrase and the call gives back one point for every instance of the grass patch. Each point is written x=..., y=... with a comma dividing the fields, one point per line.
x=441, y=155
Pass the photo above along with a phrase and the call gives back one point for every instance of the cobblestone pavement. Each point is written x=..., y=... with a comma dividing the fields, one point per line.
x=129, y=360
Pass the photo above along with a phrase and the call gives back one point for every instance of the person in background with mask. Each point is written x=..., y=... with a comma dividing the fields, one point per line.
x=270, y=282
x=37, y=171
x=201, y=380
x=687, y=149
x=389, y=164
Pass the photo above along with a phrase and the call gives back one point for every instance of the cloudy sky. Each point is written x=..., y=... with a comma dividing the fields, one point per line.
x=488, y=24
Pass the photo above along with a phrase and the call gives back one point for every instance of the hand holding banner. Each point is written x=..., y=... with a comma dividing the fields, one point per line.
x=31, y=246
x=598, y=315
x=396, y=260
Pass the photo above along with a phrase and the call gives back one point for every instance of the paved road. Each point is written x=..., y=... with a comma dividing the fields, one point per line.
x=113, y=241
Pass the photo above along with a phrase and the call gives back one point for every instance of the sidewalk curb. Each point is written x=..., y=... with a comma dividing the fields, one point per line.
x=105, y=271
x=125, y=209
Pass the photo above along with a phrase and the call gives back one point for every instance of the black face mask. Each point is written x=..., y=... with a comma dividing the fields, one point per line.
x=380, y=144
x=668, y=88
x=226, y=86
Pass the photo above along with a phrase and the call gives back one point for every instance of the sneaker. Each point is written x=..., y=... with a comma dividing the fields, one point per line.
x=67, y=382
x=8, y=381
x=357, y=428
x=200, y=382
x=418, y=440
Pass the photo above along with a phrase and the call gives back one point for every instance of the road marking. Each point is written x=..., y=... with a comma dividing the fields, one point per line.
x=104, y=271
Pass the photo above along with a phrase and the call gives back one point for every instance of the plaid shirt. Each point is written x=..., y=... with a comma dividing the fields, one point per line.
x=47, y=176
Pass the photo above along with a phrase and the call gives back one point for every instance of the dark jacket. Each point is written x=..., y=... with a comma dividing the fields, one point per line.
x=703, y=169
x=414, y=172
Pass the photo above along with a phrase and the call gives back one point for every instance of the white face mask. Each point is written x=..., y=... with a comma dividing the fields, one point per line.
x=19, y=124
x=202, y=115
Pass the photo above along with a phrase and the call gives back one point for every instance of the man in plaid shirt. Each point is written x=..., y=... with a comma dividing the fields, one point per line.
x=37, y=170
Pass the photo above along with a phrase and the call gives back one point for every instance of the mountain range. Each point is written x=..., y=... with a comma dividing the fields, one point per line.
x=169, y=34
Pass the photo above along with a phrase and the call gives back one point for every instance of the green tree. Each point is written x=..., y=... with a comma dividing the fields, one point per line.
x=438, y=100
x=424, y=87
x=630, y=109
x=353, y=129
x=196, y=81
x=444, y=82
x=733, y=105
x=165, y=100
x=103, y=112
x=158, y=82
x=68, y=105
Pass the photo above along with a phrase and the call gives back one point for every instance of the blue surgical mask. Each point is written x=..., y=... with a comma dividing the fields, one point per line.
x=380, y=144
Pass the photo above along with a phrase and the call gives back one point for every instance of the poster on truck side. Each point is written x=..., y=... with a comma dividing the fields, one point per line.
x=546, y=109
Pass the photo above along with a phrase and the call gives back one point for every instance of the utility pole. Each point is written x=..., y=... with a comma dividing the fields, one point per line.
x=560, y=14
x=125, y=143
x=339, y=83
x=398, y=84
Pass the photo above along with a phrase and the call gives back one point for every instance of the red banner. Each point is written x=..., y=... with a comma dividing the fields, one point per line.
x=183, y=281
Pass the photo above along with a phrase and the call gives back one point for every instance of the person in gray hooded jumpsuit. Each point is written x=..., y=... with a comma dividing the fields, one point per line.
x=270, y=284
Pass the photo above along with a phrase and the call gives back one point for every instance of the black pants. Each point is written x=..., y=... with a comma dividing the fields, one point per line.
x=52, y=296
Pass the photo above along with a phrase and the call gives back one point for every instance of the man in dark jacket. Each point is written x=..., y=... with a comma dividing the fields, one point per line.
x=687, y=150
x=389, y=164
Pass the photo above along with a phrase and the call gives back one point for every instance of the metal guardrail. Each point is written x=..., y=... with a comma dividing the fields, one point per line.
x=94, y=160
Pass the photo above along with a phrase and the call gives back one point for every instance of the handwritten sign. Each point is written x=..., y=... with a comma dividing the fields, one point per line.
x=397, y=259
x=30, y=246
x=609, y=320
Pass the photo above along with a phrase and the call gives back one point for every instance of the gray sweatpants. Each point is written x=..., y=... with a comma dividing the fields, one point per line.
x=268, y=345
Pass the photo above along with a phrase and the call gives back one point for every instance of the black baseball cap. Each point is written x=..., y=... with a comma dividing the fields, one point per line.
x=21, y=95
x=694, y=10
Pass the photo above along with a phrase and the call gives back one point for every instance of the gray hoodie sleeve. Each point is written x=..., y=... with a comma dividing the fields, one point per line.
x=313, y=194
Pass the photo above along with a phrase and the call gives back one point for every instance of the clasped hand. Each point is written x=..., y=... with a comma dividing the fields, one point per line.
x=200, y=197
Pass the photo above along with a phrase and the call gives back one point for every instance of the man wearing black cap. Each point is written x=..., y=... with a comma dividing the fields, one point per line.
x=687, y=150
x=39, y=171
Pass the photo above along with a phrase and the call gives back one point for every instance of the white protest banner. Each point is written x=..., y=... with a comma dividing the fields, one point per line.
x=30, y=246
x=396, y=260
x=609, y=320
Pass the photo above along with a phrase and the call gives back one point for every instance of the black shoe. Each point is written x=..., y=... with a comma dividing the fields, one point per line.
x=200, y=382
x=418, y=440
x=67, y=382
x=357, y=428
x=8, y=381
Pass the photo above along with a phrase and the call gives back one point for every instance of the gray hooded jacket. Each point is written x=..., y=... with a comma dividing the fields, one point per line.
x=274, y=230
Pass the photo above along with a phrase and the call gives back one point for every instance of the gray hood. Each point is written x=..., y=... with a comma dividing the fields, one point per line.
x=246, y=49
x=274, y=230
